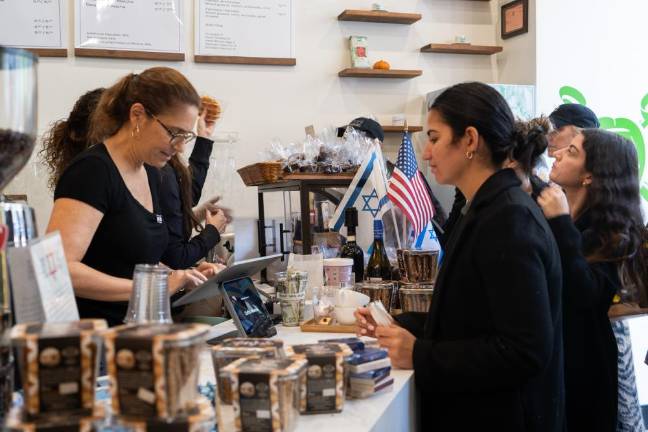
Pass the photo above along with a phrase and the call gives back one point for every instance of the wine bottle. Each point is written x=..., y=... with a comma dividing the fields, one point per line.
x=378, y=268
x=351, y=249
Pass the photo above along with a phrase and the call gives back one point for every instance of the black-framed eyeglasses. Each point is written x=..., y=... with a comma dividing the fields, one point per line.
x=183, y=137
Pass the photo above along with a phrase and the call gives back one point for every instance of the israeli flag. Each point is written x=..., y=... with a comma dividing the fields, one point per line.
x=368, y=194
x=428, y=240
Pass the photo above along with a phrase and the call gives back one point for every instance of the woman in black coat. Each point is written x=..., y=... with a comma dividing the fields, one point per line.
x=594, y=213
x=488, y=354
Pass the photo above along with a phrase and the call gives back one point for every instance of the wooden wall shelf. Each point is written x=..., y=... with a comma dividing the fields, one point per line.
x=379, y=16
x=122, y=54
x=264, y=61
x=401, y=129
x=379, y=73
x=49, y=52
x=458, y=48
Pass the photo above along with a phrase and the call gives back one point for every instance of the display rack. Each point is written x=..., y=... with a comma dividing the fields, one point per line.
x=379, y=16
x=379, y=73
x=461, y=48
x=401, y=129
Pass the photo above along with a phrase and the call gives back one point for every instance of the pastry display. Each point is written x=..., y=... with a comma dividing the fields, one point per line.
x=325, y=376
x=153, y=369
x=234, y=349
x=58, y=365
x=265, y=395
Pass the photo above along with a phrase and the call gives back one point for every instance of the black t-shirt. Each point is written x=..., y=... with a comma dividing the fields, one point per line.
x=128, y=233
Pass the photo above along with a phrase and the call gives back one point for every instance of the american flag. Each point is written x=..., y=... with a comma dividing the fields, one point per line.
x=407, y=189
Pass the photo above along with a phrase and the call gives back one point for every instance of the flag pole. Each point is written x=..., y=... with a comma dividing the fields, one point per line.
x=405, y=129
x=382, y=171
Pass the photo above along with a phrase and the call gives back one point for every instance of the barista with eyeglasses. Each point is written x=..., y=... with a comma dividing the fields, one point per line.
x=106, y=202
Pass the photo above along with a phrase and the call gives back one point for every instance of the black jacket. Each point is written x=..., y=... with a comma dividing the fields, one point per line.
x=183, y=251
x=488, y=354
x=537, y=186
x=590, y=346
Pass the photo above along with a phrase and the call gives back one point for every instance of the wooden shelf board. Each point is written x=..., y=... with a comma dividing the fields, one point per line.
x=458, y=48
x=49, y=52
x=263, y=61
x=401, y=129
x=121, y=54
x=379, y=16
x=379, y=73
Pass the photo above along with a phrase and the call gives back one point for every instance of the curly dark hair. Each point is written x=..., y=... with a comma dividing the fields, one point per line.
x=613, y=202
x=67, y=138
x=531, y=142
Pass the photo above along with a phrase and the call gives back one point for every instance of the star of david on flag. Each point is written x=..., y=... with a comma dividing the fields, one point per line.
x=368, y=194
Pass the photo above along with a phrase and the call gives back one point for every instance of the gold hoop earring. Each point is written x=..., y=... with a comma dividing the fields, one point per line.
x=469, y=155
x=135, y=132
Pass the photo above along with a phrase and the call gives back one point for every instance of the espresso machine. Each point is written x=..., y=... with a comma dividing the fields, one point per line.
x=18, y=127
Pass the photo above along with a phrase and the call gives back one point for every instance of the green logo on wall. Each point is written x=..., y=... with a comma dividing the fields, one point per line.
x=621, y=125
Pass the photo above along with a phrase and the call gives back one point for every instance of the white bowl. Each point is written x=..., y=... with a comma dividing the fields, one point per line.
x=344, y=315
x=348, y=298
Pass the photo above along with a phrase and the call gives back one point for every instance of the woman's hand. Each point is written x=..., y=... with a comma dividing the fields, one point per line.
x=209, y=269
x=365, y=324
x=399, y=344
x=185, y=279
x=553, y=202
x=211, y=205
x=205, y=127
x=217, y=219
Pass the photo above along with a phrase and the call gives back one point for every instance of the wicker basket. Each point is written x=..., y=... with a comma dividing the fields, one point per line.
x=261, y=173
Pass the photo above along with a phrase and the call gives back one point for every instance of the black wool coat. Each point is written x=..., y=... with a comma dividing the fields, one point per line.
x=488, y=354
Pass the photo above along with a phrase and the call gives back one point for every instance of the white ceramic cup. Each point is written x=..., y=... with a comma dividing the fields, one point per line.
x=344, y=315
x=352, y=299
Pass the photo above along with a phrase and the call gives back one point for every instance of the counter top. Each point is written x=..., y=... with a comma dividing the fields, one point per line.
x=391, y=411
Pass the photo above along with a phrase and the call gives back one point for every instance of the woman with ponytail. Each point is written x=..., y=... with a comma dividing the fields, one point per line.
x=594, y=213
x=488, y=353
x=67, y=138
x=530, y=139
x=106, y=200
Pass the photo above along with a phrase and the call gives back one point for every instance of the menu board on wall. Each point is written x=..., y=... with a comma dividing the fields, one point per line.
x=151, y=29
x=245, y=32
x=38, y=25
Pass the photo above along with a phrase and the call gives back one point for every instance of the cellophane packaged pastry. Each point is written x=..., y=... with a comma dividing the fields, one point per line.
x=324, y=153
x=325, y=376
x=153, y=369
x=18, y=421
x=58, y=364
x=203, y=420
x=237, y=348
x=265, y=395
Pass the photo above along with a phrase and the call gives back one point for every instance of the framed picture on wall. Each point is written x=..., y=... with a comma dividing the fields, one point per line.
x=515, y=18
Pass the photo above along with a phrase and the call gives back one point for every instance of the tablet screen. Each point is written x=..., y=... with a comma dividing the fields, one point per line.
x=247, y=304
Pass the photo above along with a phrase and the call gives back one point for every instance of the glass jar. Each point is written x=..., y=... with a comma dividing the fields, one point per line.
x=18, y=110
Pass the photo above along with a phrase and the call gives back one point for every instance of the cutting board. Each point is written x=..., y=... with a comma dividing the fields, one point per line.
x=312, y=326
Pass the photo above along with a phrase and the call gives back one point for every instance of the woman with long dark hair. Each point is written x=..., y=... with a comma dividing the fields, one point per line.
x=181, y=190
x=594, y=213
x=67, y=138
x=488, y=353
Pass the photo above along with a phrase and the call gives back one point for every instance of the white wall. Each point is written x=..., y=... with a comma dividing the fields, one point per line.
x=266, y=102
x=517, y=63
